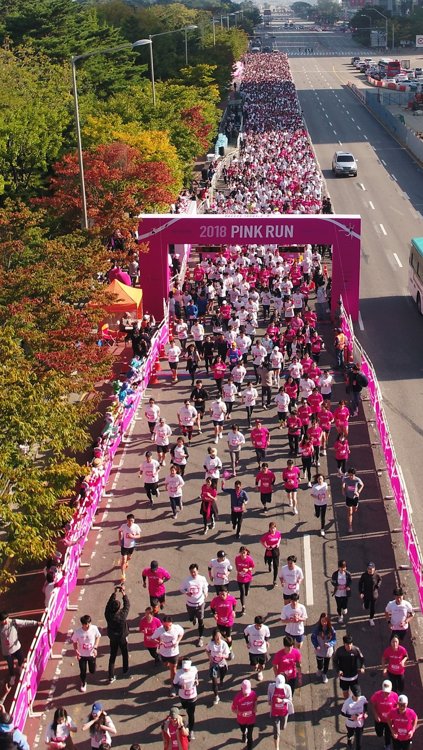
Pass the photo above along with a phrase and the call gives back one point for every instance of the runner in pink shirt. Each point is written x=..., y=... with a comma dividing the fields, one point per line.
x=244, y=705
x=265, y=480
x=382, y=704
x=223, y=608
x=341, y=416
x=393, y=663
x=403, y=723
x=342, y=451
x=315, y=432
x=315, y=401
x=157, y=578
x=244, y=565
x=147, y=626
x=291, y=480
x=325, y=419
x=271, y=542
x=287, y=661
x=260, y=438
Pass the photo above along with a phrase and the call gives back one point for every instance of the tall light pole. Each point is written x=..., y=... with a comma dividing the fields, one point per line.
x=386, y=25
x=185, y=29
x=214, y=22
x=74, y=60
x=191, y=27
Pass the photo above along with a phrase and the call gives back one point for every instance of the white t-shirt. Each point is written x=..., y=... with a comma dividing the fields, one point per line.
x=341, y=589
x=282, y=401
x=276, y=358
x=174, y=485
x=196, y=590
x=213, y=465
x=319, y=494
x=238, y=373
x=218, y=411
x=162, y=433
x=179, y=456
x=235, y=440
x=219, y=571
x=306, y=387
x=168, y=639
x=219, y=653
x=354, y=707
x=294, y=627
x=187, y=415
x=229, y=392
x=257, y=639
x=85, y=639
x=173, y=354
x=197, y=332
x=243, y=343
x=62, y=731
x=152, y=412
x=291, y=579
x=125, y=533
x=259, y=353
x=186, y=681
x=181, y=330
x=250, y=396
x=398, y=614
x=150, y=471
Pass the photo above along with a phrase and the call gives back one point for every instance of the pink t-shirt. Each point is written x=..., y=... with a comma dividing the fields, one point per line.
x=265, y=481
x=271, y=539
x=384, y=703
x=287, y=663
x=242, y=565
x=260, y=437
x=154, y=577
x=148, y=628
x=224, y=609
x=402, y=723
x=394, y=659
x=291, y=477
x=325, y=419
x=245, y=707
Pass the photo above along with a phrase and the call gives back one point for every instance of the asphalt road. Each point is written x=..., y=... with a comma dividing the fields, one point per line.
x=388, y=194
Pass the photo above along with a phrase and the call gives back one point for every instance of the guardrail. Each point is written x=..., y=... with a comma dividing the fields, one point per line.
x=41, y=647
x=395, y=474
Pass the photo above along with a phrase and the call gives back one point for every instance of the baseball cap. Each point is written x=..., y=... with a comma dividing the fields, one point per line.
x=356, y=690
x=403, y=699
x=387, y=686
x=280, y=681
x=174, y=712
x=246, y=687
x=221, y=553
x=154, y=565
x=371, y=565
x=97, y=708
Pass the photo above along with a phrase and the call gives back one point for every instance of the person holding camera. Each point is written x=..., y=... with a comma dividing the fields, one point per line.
x=116, y=614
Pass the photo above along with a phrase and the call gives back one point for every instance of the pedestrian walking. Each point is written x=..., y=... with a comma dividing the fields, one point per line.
x=169, y=635
x=244, y=565
x=128, y=535
x=161, y=434
x=218, y=413
x=173, y=356
x=282, y=401
x=85, y=640
x=187, y=417
x=352, y=487
x=293, y=424
x=398, y=613
x=315, y=433
x=257, y=637
x=174, y=487
x=196, y=589
x=382, y=703
x=235, y=442
x=342, y=451
x=219, y=569
x=116, y=615
x=238, y=373
x=260, y=438
x=147, y=626
x=293, y=616
x=212, y=466
x=219, y=369
x=208, y=353
x=149, y=469
x=174, y=732
x=192, y=359
x=59, y=732
x=265, y=373
x=152, y=414
x=320, y=495
x=156, y=578
x=323, y=639
x=223, y=607
x=100, y=727
x=186, y=681
x=249, y=397
x=229, y=395
x=179, y=456
x=403, y=724
x=265, y=480
x=355, y=384
x=271, y=542
x=181, y=332
x=354, y=709
x=239, y=500
x=287, y=661
x=306, y=451
x=341, y=416
x=291, y=577
x=349, y=663
x=244, y=705
x=341, y=581
x=325, y=419
x=291, y=480
x=394, y=659
x=11, y=647
x=368, y=587
x=199, y=396
x=218, y=652
x=279, y=698
x=208, y=506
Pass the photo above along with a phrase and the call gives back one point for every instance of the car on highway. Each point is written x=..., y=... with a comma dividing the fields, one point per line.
x=354, y=59
x=344, y=164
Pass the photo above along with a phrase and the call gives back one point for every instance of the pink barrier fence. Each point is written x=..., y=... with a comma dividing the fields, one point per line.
x=42, y=644
x=396, y=478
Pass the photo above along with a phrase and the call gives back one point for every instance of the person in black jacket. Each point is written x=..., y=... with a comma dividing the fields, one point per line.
x=368, y=586
x=116, y=614
x=356, y=382
x=348, y=662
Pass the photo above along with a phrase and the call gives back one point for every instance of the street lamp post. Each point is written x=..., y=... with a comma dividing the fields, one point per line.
x=386, y=25
x=214, y=21
x=74, y=60
x=186, y=29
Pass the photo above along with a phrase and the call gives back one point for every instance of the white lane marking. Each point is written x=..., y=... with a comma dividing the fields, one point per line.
x=383, y=162
x=398, y=260
x=366, y=137
x=358, y=127
x=335, y=133
x=394, y=178
x=308, y=571
x=352, y=118
x=360, y=321
x=330, y=124
x=340, y=143
x=372, y=206
x=362, y=186
x=347, y=112
x=383, y=230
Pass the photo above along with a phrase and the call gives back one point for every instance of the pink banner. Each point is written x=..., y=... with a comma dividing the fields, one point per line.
x=40, y=649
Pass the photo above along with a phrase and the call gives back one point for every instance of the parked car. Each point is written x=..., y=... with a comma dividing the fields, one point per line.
x=344, y=163
x=354, y=59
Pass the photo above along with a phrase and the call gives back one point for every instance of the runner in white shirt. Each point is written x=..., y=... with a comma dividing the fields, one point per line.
x=235, y=442
x=85, y=640
x=277, y=361
x=243, y=343
x=149, y=469
x=212, y=466
x=306, y=387
x=219, y=569
x=196, y=589
x=161, y=435
x=229, y=393
x=198, y=334
x=257, y=638
x=128, y=534
x=181, y=331
x=291, y=577
x=399, y=612
x=249, y=398
x=174, y=484
x=218, y=652
x=218, y=412
x=186, y=680
x=169, y=636
x=294, y=615
x=173, y=354
x=152, y=414
x=238, y=373
x=325, y=385
x=295, y=369
x=187, y=416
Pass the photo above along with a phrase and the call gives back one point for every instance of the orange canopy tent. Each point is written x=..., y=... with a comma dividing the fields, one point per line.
x=127, y=299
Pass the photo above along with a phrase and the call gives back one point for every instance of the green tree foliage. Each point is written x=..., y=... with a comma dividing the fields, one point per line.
x=34, y=116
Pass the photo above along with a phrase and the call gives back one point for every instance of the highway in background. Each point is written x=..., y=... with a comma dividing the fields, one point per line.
x=388, y=194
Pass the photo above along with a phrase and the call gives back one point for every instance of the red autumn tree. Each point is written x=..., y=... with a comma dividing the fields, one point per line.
x=194, y=119
x=118, y=182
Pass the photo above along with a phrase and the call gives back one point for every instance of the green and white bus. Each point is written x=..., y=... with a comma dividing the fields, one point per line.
x=415, y=272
